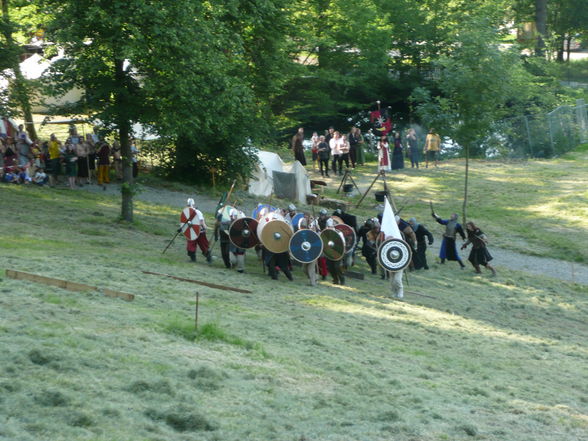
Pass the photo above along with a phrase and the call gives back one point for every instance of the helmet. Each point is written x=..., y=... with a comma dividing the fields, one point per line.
x=292, y=207
x=323, y=212
x=190, y=202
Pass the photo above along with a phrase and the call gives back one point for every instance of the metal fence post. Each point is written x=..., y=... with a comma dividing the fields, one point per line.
x=551, y=131
x=528, y=135
x=582, y=118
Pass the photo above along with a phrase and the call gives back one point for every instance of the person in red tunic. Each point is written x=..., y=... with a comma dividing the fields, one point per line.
x=383, y=155
x=202, y=240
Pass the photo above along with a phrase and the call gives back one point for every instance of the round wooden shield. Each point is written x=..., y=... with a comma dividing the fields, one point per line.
x=296, y=221
x=337, y=220
x=305, y=246
x=189, y=223
x=349, y=235
x=394, y=255
x=243, y=233
x=333, y=244
x=268, y=217
x=275, y=236
x=261, y=210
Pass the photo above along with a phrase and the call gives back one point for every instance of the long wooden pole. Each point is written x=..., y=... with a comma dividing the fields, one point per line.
x=368, y=190
x=199, y=282
x=230, y=192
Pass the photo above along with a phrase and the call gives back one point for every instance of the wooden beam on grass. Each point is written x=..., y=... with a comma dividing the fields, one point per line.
x=199, y=282
x=66, y=284
x=120, y=294
x=419, y=294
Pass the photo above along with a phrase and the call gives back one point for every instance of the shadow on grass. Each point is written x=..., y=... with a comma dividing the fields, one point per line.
x=508, y=305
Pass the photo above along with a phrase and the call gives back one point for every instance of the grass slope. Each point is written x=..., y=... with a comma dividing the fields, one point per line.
x=492, y=359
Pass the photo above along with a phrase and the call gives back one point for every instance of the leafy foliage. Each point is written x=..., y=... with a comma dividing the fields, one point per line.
x=479, y=83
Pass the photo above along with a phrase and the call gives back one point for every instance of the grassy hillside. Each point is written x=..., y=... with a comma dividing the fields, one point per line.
x=463, y=357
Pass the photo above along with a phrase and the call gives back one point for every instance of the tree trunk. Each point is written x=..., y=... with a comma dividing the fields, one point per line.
x=560, y=50
x=20, y=88
x=124, y=127
x=568, y=47
x=465, y=187
x=541, y=25
x=322, y=52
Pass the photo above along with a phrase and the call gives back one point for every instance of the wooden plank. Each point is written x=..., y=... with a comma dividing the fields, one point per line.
x=199, y=282
x=66, y=284
x=123, y=295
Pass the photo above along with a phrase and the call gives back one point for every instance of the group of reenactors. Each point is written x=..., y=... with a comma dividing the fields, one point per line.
x=325, y=244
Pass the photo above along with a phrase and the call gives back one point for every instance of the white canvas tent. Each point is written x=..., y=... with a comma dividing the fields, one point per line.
x=262, y=182
x=33, y=68
x=302, y=181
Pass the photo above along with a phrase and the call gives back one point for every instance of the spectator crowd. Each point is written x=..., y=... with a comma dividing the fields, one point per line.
x=75, y=162
x=333, y=149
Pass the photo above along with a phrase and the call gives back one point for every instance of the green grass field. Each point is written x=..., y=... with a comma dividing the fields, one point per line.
x=464, y=357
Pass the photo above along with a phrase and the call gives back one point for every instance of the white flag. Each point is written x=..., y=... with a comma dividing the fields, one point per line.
x=389, y=225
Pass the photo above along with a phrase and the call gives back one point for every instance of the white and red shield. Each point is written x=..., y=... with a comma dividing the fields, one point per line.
x=189, y=223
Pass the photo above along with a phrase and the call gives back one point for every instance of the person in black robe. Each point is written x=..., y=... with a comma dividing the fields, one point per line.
x=479, y=255
x=371, y=235
x=423, y=235
x=298, y=147
x=397, y=153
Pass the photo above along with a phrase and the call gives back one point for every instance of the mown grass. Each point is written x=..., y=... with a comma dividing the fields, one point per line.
x=480, y=358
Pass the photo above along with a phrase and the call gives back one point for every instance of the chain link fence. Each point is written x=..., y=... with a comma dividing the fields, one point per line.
x=540, y=136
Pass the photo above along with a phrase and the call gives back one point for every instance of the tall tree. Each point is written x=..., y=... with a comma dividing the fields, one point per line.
x=478, y=82
x=11, y=54
x=176, y=67
x=541, y=25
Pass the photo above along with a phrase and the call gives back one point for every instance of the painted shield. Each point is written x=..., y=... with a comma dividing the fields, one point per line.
x=296, y=221
x=268, y=217
x=275, y=236
x=333, y=244
x=394, y=255
x=337, y=220
x=189, y=223
x=261, y=210
x=349, y=235
x=243, y=233
x=305, y=246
